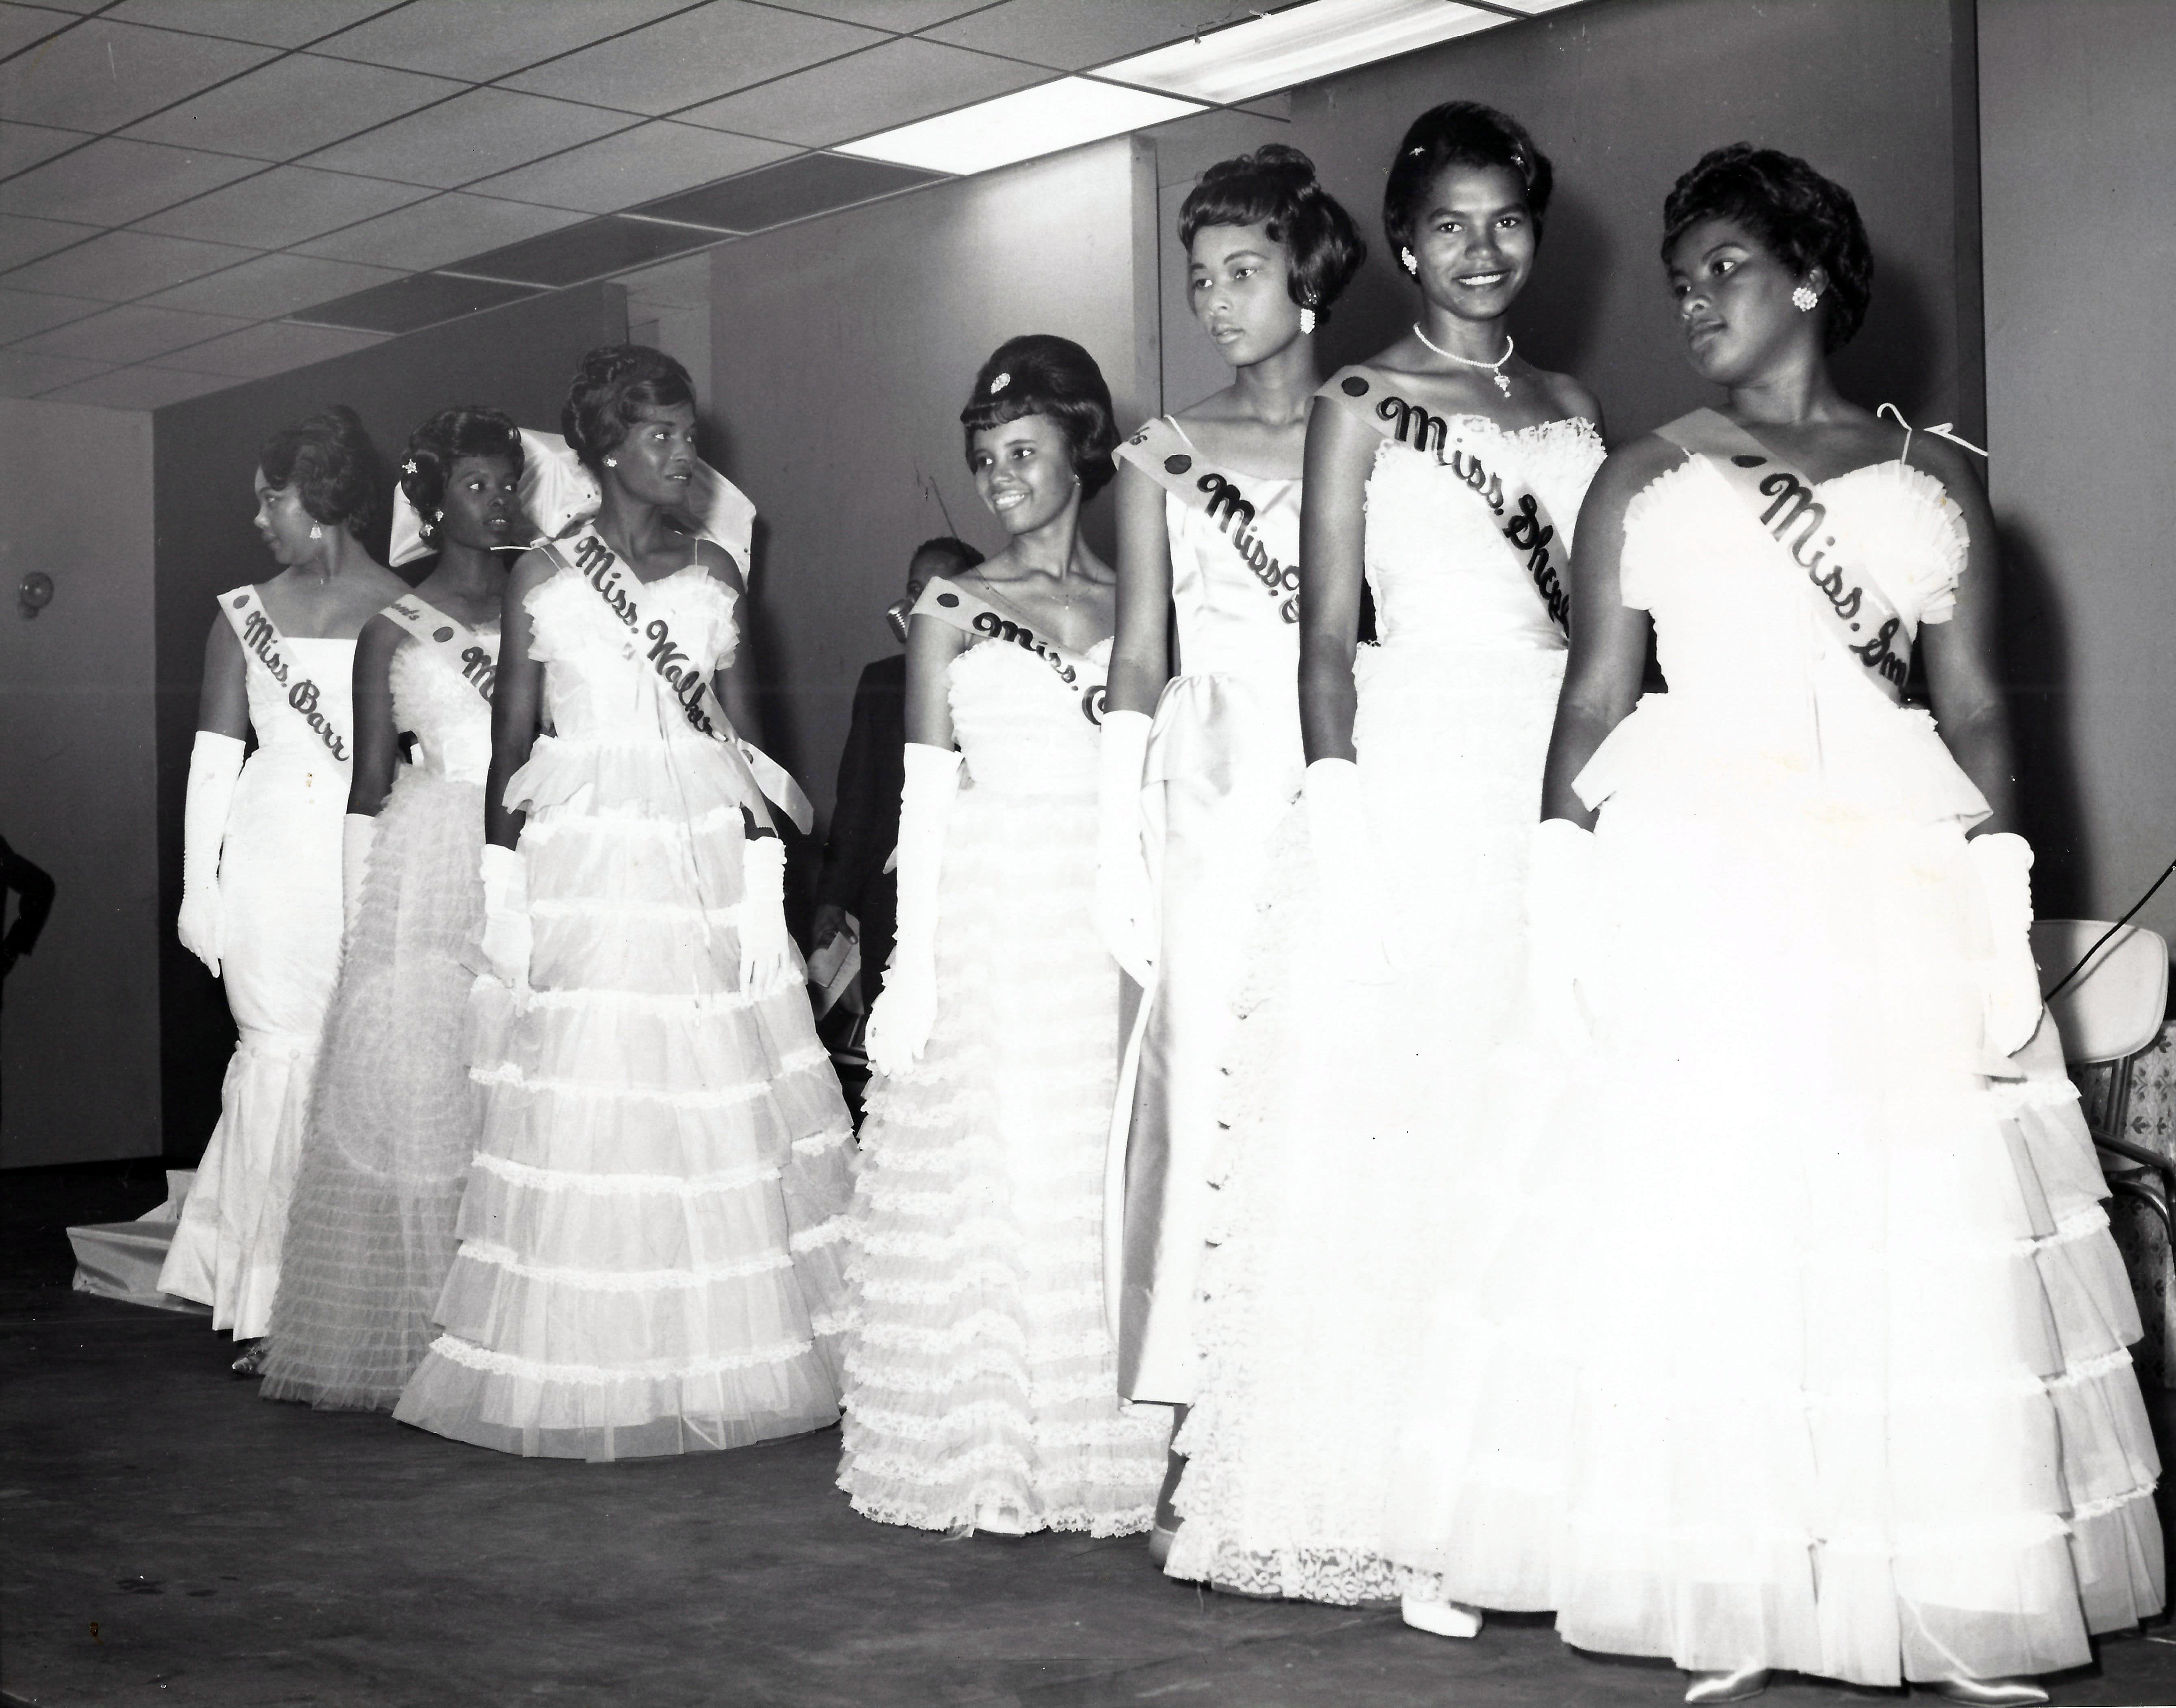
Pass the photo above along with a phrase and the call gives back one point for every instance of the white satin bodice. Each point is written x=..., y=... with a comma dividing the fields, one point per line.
x=450, y=721
x=284, y=735
x=1235, y=585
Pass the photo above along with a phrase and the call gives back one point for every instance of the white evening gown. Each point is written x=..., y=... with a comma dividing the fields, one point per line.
x=1342, y=1099
x=649, y=1258
x=982, y=1378
x=1801, y=1341
x=395, y=1115
x=279, y=952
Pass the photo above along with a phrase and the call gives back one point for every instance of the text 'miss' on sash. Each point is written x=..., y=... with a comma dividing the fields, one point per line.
x=266, y=649
x=472, y=656
x=1161, y=451
x=1519, y=515
x=980, y=619
x=587, y=555
x=1780, y=499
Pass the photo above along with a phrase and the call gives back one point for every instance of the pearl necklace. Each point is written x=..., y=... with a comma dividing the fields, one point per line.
x=1495, y=368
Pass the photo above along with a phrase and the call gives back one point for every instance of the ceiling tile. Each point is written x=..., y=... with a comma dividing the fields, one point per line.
x=100, y=76
x=282, y=206
x=479, y=39
x=119, y=265
x=421, y=299
x=270, y=285
x=443, y=229
x=1067, y=35
x=23, y=312
x=595, y=250
x=22, y=146
x=276, y=23
x=25, y=240
x=140, y=388
x=113, y=182
x=885, y=14
x=794, y=189
x=895, y=84
x=471, y=136
x=293, y=106
x=273, y=347
x=636, y=166
x=695, y=56
x=22, y=375
x=21, y=26
x=129, y=333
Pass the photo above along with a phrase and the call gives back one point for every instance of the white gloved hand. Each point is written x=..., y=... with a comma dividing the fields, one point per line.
x=215, y=768
x=358, y=830
x=2004, y=863
x=507, y=939
x=1348, y=889
x=1560, y=925
x=1125, y=904
x=766, y=947
x=900, y=1024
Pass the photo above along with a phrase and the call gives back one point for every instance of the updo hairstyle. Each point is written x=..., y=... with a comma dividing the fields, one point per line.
x=1460, y=133
x=1275, y=188
x=1803, y=218
x=465, y=430
x=615, y=382
x=1039, y=373
x=333, y=467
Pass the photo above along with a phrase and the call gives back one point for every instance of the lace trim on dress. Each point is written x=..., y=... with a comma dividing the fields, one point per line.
x=475, y=1358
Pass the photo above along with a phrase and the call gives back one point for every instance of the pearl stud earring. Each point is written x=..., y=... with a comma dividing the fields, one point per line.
x=612, y=462
x=1803, y=298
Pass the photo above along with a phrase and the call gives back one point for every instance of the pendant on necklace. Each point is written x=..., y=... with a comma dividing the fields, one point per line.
x=1503, y=383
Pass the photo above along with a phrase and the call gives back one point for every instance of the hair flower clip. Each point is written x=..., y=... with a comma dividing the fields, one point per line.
x=999, y=383
x=408, y=467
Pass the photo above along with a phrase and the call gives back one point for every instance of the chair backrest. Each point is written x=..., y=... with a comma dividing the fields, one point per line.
x=2114, y=1008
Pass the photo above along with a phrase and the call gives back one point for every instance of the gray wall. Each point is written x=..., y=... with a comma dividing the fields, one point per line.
x=79, y=1035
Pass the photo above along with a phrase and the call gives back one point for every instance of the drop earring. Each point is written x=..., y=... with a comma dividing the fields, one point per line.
x=1804, y=298
x=316, y=530
x=1411, y=266
x=1306, y=319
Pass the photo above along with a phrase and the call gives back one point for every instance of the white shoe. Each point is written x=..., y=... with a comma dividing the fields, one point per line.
x=999, y=1520
x=1440, y=1619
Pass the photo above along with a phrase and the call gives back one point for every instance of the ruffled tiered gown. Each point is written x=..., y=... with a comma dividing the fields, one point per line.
x=394, y=1116
x=1801, y=1341
x=649, y=1258
x=982, y=1382
x=1343, y=1098
x=280, y=952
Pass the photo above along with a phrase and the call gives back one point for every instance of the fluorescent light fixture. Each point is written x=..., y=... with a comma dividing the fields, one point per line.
x=1297, y=45
x=1020, y=125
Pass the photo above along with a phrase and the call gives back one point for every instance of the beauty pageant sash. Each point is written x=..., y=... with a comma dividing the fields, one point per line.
x=979, y=619
x=1160, y=451
x=1518, y=513
x=598, y=565
x=1780, y=499
x=265, y=647
x=472, y=656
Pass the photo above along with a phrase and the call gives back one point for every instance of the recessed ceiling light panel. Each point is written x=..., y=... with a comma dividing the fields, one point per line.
x=1020, y=126
x=1296, y=46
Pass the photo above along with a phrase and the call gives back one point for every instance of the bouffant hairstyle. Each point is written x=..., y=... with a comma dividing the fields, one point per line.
x=465, y=431
x=963, y=555
x=1803, y=218
x=615, y=382
x=1460, y=133
x=1275, y=188
x=1039, y=373
x=333, y=468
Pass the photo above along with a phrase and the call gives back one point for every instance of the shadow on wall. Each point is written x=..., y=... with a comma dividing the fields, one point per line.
x=2036, y=653
x=1893, y=360
x=1562, y=306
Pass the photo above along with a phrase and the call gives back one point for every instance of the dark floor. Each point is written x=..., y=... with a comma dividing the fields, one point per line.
x=168, y=1536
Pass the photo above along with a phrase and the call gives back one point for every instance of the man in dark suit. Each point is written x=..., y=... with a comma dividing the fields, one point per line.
x=872, y=771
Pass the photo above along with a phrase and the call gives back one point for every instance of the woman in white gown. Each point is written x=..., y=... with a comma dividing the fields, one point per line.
x=1805, y=1347
x=261, y=849
x=1448, y=471
x=981, y=1384
x=1209, y=507
x=396, y=1116
x=649, y=1258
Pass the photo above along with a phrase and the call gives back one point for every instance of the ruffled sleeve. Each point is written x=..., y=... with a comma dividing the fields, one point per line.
x=553, y=627
x=1913, y=536
x=1649, y=540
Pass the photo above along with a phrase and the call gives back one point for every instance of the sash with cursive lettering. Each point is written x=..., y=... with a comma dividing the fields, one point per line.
x=1520, y=516
x=264, y=646
x=979, y=619
x=587, y=556
x=1162, y=453
x=1781, y=500
x=460, y=648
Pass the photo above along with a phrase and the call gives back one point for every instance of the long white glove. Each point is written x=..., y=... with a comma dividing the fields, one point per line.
x=506, y=933
x=1348, y=889
x=215, y=767
x=358, y=830
x=1124, y=905
x=2003, y=862
x=900, y=1023
x=766, y=947
x=1560, y=925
